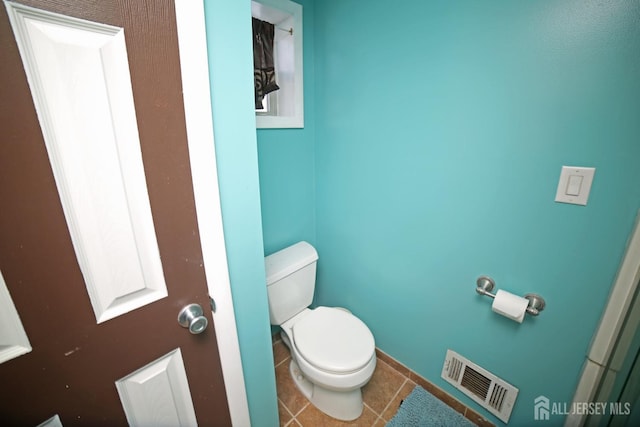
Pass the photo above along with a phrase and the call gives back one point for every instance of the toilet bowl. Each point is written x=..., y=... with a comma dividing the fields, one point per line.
x=332, y=351
x=332, y=357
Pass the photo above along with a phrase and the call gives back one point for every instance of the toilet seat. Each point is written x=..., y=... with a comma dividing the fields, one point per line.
x=334, y=340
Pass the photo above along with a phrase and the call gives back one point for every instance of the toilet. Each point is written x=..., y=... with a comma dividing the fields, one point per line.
x=332, y=351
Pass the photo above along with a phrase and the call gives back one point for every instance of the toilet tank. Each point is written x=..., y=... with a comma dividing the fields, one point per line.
x=291, y=280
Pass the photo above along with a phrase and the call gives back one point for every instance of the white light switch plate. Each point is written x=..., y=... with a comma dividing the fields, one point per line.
x=574, y=185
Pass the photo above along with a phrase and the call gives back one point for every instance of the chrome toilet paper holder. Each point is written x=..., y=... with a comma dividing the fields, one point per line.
x=485, y=284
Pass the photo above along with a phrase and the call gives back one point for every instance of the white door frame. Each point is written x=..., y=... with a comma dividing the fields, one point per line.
x=603, y=344
x=190, y=19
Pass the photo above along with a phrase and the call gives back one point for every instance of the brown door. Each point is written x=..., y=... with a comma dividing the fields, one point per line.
x=76, y=360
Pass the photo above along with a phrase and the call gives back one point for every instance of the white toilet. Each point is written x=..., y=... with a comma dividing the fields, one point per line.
x=332, y=351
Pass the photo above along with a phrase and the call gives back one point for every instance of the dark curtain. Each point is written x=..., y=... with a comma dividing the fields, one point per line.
x=264, y=73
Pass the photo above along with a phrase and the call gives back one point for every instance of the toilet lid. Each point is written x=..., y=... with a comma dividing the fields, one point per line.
x=334, y=340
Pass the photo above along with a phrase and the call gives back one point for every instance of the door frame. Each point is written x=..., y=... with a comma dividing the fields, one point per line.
x=612, y=328
x=190, y=20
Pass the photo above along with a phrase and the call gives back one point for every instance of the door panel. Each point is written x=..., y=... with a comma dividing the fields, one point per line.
x=158, y=394
x=52, y=422
x=75, y=362
x=13, y=339
x=79, y=79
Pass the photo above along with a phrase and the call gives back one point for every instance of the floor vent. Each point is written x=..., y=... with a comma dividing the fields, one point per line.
x=491, y=392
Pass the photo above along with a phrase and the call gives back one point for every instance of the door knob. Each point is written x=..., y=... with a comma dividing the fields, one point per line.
x=191, y=317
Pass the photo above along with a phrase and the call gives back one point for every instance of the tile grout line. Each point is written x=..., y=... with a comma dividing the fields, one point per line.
x=303, y=408
x=282, y=361
x=370, y=408
x=406, y=378
x=286, y=409
x=393, y=398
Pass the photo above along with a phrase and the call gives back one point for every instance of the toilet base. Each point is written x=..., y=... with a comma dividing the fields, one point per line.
x=342, y=405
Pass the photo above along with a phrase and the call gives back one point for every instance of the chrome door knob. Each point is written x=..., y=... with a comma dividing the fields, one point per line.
x=191, y=317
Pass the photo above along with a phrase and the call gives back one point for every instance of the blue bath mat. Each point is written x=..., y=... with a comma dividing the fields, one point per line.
x=422, y=409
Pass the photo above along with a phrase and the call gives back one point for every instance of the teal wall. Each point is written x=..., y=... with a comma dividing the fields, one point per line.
x=441, y=128
x=287, y=163
x=230, y=64
x=435, y=136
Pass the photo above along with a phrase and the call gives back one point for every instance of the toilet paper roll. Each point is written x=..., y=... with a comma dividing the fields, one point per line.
x=510, y=306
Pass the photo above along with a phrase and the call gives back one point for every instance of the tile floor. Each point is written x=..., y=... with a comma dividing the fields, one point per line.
x=391, y=382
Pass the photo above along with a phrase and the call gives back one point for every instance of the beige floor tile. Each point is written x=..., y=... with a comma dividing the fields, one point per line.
x=280, y=352
x=392, y=362
x=313, y=417
x=284, y=415
x=288, y=393
x=382, y=387
x=392, y=408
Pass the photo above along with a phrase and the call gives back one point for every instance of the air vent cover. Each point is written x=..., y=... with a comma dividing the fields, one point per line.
x=491, y=392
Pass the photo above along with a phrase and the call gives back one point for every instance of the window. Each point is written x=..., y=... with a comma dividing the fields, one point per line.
x=283, y=108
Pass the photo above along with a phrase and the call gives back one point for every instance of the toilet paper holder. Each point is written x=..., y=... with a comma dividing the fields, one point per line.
x=485, y=284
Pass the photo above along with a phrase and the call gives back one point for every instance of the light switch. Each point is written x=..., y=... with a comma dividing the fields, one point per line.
x=574, y=185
